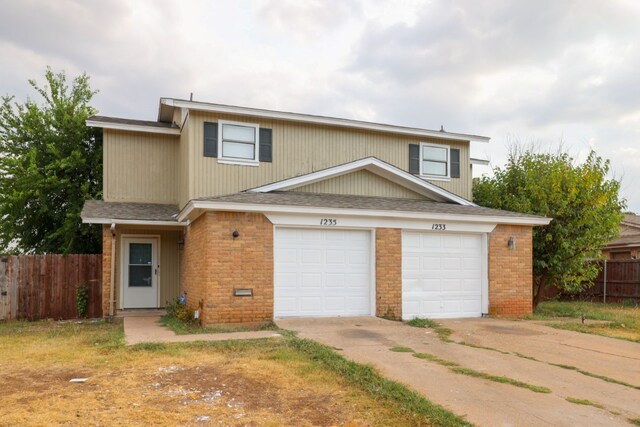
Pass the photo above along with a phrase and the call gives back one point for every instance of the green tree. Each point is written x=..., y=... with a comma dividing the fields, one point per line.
x=50, y=162
x=584, y=204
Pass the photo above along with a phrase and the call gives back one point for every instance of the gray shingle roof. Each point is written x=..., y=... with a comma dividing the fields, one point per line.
x=105, y=119
x=632, y=240
x=285, y=198
x=633, y=220
x=98, y=209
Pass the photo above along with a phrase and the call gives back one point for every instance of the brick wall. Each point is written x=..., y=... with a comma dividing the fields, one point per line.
x=106, y=268
x=510, y=271
x=389, y=273
x=214, y=263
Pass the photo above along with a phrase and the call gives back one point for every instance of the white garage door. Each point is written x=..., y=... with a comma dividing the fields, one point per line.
x=322, y=272
x=441, y=275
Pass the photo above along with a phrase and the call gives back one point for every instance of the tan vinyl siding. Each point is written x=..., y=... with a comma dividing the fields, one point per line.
x=360, y=183
x=169, y=260
x=299, y=149
x=140, y=167
x=183, y=164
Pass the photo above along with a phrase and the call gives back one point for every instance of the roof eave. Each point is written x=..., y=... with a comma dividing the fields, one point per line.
x=132, y=127
x=308, y=118
x=202, y=205
x=105, y=221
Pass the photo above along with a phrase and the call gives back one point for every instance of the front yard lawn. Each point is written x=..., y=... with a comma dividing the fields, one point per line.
x=286, y=381
x=610, y=320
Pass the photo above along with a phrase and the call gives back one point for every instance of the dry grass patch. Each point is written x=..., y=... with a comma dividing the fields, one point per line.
x=259, y=382
x=609, y=320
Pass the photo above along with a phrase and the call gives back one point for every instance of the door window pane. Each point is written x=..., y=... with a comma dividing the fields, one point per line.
x=140, y=253
x=140, y=275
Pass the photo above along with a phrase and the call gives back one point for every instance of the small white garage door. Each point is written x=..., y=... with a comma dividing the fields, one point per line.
x=322, y=272
x=441, y=275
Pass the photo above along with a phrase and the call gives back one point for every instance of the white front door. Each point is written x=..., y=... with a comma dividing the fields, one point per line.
x=321, y=272
x=140, y=272
x=442, y=275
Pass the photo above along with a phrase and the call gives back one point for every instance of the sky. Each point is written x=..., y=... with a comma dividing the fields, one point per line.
x=545, y=72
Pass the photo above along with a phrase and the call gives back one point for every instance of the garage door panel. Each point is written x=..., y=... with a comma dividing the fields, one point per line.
x=335, y=256
x=287, y=280
x=449, y=263
x=471, y=285
x=311, y=256
x=310, y=304
x=447, y=282
x=411, y=263
x=332, y=272
x=411, y=241
x=430, y=241
x=336, y=280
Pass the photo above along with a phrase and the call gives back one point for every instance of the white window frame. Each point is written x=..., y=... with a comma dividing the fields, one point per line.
x=233, y=160
x=446, y=177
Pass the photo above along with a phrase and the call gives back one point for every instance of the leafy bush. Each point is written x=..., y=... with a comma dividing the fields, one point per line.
x=82, y=299
x=180, y=311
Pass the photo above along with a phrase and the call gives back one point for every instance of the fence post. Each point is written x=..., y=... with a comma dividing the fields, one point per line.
x=604, y=293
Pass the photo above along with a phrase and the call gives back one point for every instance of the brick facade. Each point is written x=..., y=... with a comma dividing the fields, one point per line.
x=106, y=268
x=510, y=271
x=389, y=273
x=214, y=263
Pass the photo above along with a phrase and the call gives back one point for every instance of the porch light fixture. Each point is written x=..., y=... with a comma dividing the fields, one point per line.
x=181, y=241
x=512, y=243
x=235, y=234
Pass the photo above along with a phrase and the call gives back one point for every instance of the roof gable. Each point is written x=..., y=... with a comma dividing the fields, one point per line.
x=373, y=165
x=360, y=183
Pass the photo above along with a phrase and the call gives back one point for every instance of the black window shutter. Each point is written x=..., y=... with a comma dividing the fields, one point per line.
x=414, y=159
x=210, y=139
x=265, y=145
x=455, y=162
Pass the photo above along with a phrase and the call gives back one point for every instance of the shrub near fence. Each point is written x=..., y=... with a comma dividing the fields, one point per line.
x=36, y=287
x=622, y=284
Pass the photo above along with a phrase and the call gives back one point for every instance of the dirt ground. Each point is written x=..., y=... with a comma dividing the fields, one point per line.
x=246, y=383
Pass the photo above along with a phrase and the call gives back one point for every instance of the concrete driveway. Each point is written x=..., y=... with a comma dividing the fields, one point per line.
x=484, y=402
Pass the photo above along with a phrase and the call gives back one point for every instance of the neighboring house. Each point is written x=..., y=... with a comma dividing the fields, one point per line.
x=627, y=244
x=256, y=214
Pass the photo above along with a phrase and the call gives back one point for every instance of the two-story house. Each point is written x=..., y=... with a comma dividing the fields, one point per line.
x=256, y=214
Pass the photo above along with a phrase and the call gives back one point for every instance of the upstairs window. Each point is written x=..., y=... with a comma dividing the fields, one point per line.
x=238, y=142
x=434, y=160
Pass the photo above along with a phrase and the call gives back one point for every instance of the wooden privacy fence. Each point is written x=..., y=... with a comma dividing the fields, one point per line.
x=36, y=287
x=618, y=281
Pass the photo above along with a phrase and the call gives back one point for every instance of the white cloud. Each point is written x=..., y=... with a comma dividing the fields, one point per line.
x=523, y=70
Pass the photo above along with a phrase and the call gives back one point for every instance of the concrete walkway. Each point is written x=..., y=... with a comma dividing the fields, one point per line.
x=148, y=329
x=484, y=402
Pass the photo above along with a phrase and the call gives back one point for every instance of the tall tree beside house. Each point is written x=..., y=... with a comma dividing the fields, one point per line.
x=584, y=203
x=50, y=162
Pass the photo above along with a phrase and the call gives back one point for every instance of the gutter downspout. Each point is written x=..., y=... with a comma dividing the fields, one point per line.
x=112, y=300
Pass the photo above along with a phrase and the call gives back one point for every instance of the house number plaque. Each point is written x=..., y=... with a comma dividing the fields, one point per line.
x=328, y=221
x=441, y=227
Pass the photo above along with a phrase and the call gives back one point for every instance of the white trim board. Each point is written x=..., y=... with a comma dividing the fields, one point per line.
x=132, y=222
x=373, y=165
x=132, y=127
x=346, y=222
x=199, y=206
x=308, y=118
